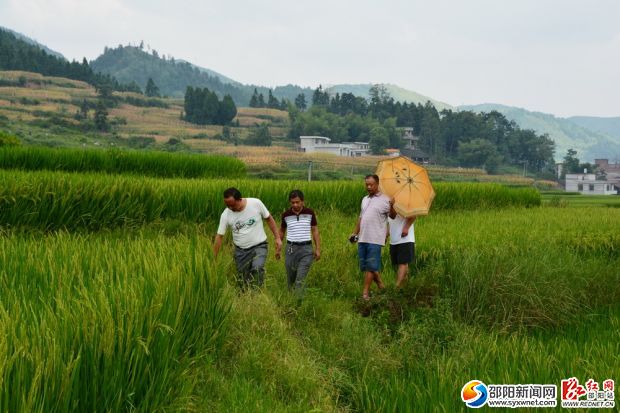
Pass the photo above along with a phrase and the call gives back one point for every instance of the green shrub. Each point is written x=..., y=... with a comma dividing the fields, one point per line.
x=7, y=139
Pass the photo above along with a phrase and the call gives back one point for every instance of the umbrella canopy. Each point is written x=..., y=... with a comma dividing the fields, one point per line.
x=409, y=185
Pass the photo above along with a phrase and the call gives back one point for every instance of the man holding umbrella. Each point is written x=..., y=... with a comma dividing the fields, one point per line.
x=371, y=232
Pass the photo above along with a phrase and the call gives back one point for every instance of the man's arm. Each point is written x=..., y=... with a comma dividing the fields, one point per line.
x=317, y=242
x=392, y=213
x=274, y=229
x=408, y=222
x=217, y=244
x=356, y=231
x=282, y=235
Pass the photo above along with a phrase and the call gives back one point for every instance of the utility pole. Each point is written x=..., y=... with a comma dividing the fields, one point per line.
x=309, y=171
x=524, y=162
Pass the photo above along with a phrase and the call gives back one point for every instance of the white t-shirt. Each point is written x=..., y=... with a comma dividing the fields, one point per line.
x=396, y=229
x=247, y=225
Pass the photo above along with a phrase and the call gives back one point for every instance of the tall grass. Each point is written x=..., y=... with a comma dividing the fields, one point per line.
x=110, y=323
x=156, y=164
x=510, y=270
x=115, y=321
x=61, y=200
x=433, y=384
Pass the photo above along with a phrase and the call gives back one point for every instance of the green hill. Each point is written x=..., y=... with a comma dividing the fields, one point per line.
x=18, y=54
x=609, y=126
x=398, y=93
x=132, y=64
x=33, y=43
x=566, y=133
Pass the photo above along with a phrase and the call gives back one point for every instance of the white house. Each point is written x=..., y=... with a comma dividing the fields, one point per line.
x=314, y=144
x=588, y=185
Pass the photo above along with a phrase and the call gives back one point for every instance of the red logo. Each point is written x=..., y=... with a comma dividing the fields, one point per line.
x=591, y=385
x=608, y=385
x=571, y=389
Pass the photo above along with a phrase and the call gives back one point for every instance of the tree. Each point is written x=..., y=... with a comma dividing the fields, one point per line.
x=394, y=136
x=378, y=140
x=320, y=98
x=300, y=102
x=379, y=101
x=151, y=89
x=272, y=102
x=227, y=110
x=226, y=133
x=82, y=113
x=260, y=101
x=571, y=162
x=202, y=107
x=101, y=117
x=479, y=153
x=104, y=91
x=254, y=99
x=210, y=108
x=430, y=127
x=260, y=136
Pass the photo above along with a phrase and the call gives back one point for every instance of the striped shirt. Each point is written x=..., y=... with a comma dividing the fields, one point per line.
x=297, y=226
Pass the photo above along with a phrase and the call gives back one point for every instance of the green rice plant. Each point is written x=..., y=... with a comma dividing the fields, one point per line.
x=107, y=323
x=147, y=163
x=468, y=195
x=434, y=383
x=54, y=200
x=127, y=319
x=511, y=270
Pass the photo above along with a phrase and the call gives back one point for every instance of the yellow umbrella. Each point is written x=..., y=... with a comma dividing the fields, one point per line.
x=408, y=183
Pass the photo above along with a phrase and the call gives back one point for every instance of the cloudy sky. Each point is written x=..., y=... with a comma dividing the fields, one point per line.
x=560, y=57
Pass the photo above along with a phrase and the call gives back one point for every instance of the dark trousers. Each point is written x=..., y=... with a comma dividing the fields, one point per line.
x=297, y=262
x=251, y=265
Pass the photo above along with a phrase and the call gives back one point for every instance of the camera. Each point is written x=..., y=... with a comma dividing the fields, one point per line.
x=353, y=239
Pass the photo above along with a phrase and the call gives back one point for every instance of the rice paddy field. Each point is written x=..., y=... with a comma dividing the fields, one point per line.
x=111, y=299
x=42, y=112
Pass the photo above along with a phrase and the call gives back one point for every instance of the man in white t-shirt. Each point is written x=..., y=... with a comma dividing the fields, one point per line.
x=245, y=218
x=402, y=245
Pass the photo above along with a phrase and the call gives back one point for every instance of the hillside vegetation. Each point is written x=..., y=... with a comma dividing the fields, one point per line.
x=398, y=93
x=590, y=137
x=134, y=64
x=59, y=112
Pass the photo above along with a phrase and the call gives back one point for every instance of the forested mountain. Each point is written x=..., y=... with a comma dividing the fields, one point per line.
x=34, y=43
x=18, y=54
x=172, y=76
x=566, y=133
x=609, y=126
x=223, y=79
